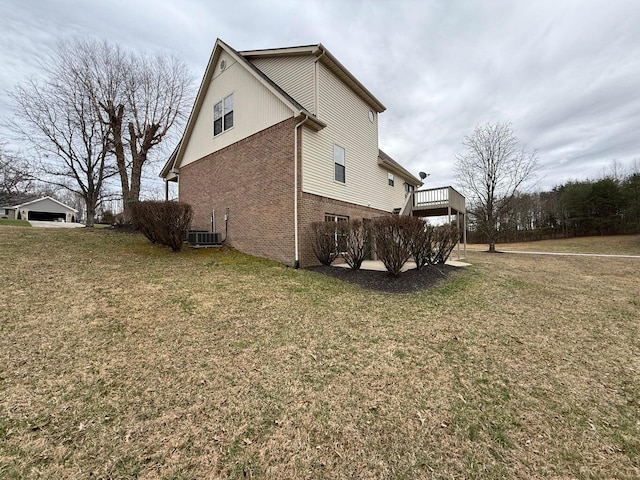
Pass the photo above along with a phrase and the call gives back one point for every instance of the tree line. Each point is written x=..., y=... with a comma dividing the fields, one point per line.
x=607, y=206
x=495, y=174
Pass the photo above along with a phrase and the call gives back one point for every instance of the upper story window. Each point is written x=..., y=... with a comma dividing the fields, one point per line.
x=338, y=161
x=390, y=179
x=223, y=115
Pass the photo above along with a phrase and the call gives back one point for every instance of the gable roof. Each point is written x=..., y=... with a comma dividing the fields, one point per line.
x=33, y=200
x=389, y=163
x=327, y=59
x=298, y=110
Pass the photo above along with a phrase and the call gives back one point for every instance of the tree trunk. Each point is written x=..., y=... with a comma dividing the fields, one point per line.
x=492, y=246
x=91, y=216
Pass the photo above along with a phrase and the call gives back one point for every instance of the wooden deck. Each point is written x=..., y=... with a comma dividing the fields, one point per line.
x=435, y=202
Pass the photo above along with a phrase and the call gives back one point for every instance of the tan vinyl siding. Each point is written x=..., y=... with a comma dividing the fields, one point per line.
x=293, y=74
x=347, y=116
x=254, y=109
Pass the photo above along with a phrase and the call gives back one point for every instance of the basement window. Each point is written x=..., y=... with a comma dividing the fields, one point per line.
x=223, y=115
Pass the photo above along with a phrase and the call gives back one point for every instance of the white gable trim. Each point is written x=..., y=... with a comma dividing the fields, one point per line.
x=170, y=168
x=46, y=198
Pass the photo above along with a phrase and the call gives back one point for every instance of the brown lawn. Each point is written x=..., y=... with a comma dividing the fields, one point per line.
x=120, y=359
x=619, y=244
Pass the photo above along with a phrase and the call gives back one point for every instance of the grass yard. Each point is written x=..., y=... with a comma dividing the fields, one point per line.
x=120, y=359
x=619, y=244
x=14, y=223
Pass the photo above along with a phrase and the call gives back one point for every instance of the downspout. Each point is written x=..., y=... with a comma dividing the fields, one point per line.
x=296, y=239
x=296, y=263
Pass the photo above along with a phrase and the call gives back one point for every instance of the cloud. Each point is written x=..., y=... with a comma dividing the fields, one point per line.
x=565, y=73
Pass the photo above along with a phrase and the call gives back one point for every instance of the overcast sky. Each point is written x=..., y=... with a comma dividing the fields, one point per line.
x=565, y=73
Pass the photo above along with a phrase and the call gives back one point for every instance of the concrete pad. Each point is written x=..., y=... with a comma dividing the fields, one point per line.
x=42, y=224
x=457, y=263
x=410, y=265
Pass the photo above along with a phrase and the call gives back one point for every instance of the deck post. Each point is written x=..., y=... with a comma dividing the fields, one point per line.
x=465, y=233
x=458, y=227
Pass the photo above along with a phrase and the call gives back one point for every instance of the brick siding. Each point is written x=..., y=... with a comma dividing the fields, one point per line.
x=313, y=208
x=253, y=178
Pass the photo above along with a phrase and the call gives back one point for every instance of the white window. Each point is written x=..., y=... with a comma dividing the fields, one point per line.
x=337, y=237
x=223, y=115
x=390, y=179
x=330, y=217
x=338, y=161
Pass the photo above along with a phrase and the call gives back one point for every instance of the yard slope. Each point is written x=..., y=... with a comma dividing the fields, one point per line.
x=121, y=359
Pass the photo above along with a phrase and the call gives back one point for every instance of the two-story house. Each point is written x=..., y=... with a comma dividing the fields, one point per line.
x=278, y=139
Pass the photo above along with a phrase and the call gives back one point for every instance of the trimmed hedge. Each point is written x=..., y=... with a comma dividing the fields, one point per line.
x=354, y=241
x=392, y=237
x=163, y=222
x=397, y=239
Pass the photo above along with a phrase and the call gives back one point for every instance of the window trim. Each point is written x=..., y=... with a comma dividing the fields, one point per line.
x=408, y=188
x=332, y=217
x=224, y=115
x=336, y=164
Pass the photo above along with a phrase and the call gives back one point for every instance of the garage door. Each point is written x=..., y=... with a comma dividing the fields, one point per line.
x=46, y=216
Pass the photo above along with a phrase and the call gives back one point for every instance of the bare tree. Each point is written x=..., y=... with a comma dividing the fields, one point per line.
x=58, y=117
x=99, y=112
x=15, y=175
x=139, y=98
x=491, y=172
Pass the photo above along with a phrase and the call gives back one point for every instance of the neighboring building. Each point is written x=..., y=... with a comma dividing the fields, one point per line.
x=278, y=139
x=36, y=208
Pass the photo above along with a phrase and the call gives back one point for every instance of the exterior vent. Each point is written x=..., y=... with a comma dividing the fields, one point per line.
x=223, y=65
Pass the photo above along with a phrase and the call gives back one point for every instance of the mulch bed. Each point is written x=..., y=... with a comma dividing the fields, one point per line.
x=408, y=282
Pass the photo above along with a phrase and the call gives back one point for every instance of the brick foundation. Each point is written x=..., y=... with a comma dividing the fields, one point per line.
x=313, y=208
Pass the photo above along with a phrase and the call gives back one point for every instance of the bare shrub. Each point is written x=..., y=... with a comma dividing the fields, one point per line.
x=353, y=242
x=163, y=222
x=445, y=239
x=420, y=237
x=324, y=242
x=392, y=243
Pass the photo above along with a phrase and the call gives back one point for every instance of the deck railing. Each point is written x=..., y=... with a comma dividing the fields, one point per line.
x=433, y=198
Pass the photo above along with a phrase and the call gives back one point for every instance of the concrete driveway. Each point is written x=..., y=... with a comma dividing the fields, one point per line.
x=41, y=224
